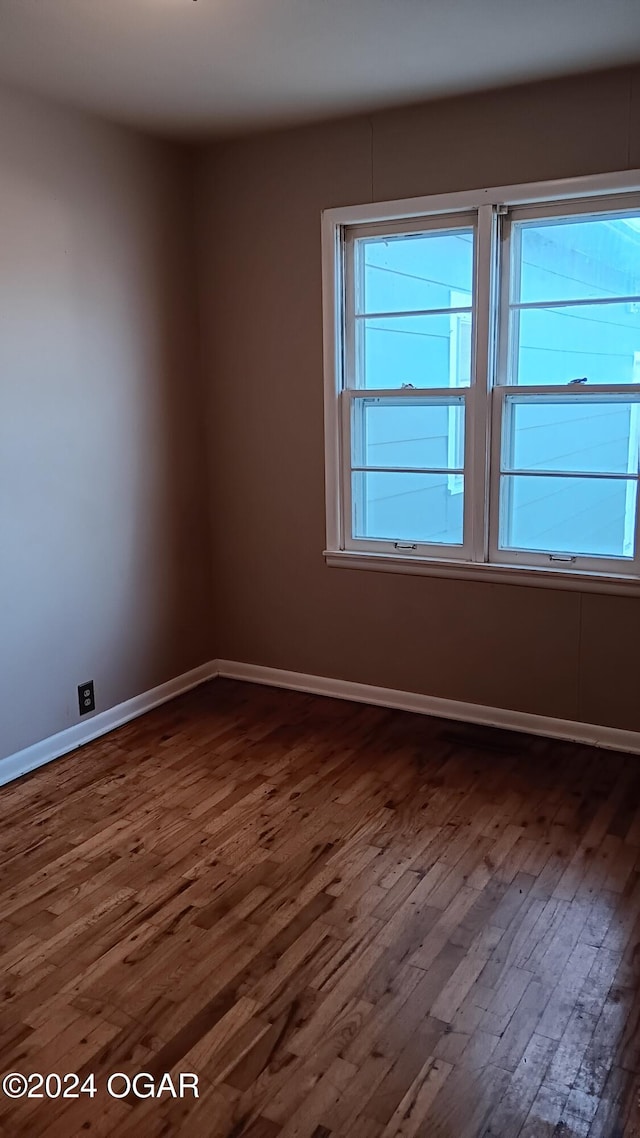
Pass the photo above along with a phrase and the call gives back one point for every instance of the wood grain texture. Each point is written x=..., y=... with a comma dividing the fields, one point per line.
x=348, y=922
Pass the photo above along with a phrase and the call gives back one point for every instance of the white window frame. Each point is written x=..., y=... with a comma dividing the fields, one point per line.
x=480, y=558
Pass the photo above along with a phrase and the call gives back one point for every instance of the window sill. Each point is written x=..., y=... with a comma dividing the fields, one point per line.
x=497, y=574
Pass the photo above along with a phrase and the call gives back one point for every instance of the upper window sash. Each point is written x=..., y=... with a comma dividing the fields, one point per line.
x=541, y=304
x=384, y=299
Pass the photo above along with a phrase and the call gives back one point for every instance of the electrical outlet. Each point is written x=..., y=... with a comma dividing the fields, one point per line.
x=86, y=697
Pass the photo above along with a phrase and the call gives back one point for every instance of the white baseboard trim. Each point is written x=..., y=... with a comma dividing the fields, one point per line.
x=611, y=738
x=73, y=737
x=29, y=759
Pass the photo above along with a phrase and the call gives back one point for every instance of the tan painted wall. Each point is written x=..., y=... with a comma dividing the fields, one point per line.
x=105, y=566
x=549, y=652
x=104, y=569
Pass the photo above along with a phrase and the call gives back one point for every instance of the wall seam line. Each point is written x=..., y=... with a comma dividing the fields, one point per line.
x=579, y=659
x=629, y=120
x=371, y=158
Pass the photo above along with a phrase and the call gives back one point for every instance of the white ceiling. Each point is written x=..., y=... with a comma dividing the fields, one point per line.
x=196, y=67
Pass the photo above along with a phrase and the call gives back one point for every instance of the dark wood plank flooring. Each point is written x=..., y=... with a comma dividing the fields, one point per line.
x=348, y=922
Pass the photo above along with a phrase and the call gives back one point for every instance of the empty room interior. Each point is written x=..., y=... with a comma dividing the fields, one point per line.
x=320, y=568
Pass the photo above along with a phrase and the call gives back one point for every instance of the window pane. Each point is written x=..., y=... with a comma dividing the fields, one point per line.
x=558, y=345
x=584, y=435
x=589, y=516
x=409, y=273
x=577, y=260
x=421, y=351
x=410, y=435
x=406, y=507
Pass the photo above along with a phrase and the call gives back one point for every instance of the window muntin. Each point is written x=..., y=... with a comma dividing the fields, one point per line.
x=558, y=303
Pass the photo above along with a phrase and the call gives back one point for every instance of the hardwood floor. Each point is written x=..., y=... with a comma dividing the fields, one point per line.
x=348, y=922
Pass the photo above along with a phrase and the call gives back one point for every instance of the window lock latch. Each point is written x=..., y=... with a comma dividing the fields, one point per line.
x=565, y=557
x=404, y=545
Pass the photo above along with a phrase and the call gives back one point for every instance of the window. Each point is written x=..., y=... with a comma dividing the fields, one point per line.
x=482, y=396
